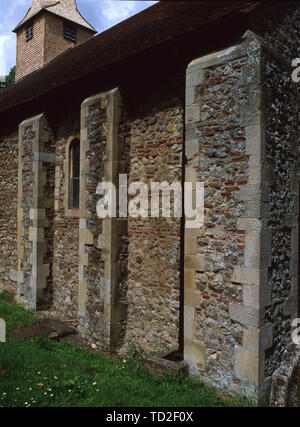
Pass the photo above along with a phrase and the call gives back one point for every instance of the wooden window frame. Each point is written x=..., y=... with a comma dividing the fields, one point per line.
x=74, y=178
x=29, y=33
x=70, y=32
x=70, y=210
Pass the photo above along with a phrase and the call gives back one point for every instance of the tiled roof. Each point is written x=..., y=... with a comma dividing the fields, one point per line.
x=65, y=8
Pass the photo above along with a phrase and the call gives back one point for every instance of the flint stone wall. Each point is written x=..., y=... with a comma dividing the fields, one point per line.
x=281, y=100
x=146, y=293
x=102, y=242
x=260, y=211
x=220, y=110
x=8, y=211
x=285, y=391
x=35, y=213
x=154, y=243
x=240, y=269
x=66, y=233
x=281, y=112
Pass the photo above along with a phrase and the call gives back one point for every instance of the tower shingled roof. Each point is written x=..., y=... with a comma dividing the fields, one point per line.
x=64, y=8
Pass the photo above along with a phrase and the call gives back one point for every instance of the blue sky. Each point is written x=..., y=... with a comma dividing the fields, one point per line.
x=102, y=14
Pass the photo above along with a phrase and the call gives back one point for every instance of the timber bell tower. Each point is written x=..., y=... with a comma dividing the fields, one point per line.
x=49, y=28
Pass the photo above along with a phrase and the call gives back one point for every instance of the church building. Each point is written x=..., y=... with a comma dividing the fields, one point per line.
x=198, y=92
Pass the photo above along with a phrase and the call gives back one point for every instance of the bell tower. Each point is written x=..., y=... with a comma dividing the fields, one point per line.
x=49, y=28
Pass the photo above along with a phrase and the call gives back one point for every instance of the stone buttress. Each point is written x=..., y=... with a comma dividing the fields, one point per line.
x=234, y=109
x=35, y=213
x=100, y=310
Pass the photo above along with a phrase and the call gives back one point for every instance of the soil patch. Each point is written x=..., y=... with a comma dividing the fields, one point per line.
x=53, y=328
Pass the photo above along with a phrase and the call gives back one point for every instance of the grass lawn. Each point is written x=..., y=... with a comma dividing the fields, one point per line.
x=42, y=372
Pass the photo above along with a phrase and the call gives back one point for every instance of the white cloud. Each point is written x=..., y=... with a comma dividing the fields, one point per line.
x=3, y=54
x=12, y=11
x=116, y=11
x=111, y=12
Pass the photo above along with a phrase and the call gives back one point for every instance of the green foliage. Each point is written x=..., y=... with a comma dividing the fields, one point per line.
x=135, y=352
x=265, y=399
x=10, y=78
x=14, y=315
x=41, y=372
